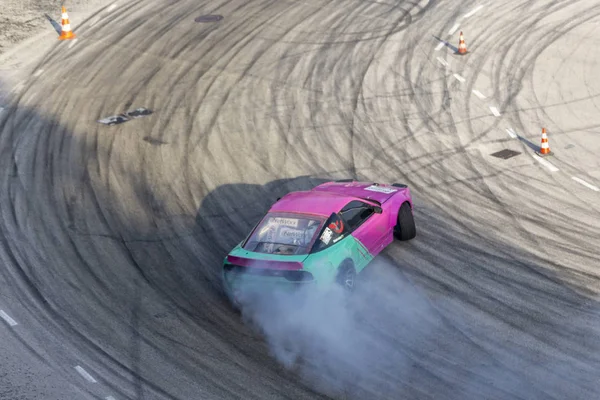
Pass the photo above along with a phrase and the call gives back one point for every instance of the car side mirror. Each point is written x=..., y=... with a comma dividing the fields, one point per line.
x=378, y=210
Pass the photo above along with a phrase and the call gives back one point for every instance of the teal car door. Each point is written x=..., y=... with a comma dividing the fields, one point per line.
x=334, y=245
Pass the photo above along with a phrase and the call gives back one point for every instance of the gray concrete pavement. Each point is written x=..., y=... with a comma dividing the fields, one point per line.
x=112, y=237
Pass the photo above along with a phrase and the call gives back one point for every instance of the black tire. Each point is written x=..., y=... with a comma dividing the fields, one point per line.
x=346, y=277
x=405, y=228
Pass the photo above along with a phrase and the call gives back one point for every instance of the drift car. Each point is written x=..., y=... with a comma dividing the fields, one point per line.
x=322, y=236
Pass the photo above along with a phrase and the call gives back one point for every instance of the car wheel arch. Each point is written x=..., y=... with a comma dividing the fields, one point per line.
x=395, y=210
x=347, y=263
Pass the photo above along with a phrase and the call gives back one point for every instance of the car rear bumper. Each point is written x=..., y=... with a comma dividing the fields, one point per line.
x=240, y=286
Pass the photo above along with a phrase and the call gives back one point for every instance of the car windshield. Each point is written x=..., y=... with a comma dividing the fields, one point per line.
x=286, y=234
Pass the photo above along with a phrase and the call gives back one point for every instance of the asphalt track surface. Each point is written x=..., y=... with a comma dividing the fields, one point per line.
x=112, y=237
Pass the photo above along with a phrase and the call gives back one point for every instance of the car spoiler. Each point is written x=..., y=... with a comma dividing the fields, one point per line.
x=266, y=264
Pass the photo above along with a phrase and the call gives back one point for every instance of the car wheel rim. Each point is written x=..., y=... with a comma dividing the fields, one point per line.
x=349, y=279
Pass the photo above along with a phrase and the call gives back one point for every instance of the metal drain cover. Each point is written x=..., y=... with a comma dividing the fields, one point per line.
x=505, y=154
x=209, y=18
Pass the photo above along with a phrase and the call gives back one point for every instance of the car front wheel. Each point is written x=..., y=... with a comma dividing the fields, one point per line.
x=405, y=228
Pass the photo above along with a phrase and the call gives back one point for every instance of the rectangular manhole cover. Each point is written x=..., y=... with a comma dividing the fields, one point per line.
x=505, y=154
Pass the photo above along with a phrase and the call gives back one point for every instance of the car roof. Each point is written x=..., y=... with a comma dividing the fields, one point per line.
x=312, y=202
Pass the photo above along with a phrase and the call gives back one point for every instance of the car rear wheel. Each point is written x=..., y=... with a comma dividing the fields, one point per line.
x=405, y=228
x=346, y=277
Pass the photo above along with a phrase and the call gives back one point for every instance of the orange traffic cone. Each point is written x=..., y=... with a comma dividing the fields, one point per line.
x=545, y=149
x=462, y=47
x=66, y=33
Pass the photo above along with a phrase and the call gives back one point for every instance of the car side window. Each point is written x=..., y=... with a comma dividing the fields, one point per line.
x=355, y=213
x=334, y=230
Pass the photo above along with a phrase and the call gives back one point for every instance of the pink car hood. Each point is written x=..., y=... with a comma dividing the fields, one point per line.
x=310, y=202
x=378, y=192
x=330, y=197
